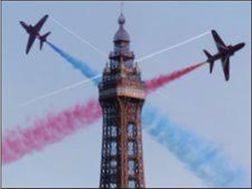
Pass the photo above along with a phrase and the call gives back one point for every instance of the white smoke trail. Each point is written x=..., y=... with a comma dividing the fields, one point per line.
x=99, y=75
x=171, y=47
x=137, y=60
x=79, y=37
x=86, y=81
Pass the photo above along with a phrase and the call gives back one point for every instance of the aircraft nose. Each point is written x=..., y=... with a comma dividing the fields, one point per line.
x=242, y=45
x=22, y=23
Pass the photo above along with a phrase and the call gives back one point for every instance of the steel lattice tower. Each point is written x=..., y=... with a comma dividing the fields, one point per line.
x=121, y=96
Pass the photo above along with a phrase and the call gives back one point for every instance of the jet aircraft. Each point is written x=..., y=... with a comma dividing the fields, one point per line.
x=224, y=53
x=33, y=32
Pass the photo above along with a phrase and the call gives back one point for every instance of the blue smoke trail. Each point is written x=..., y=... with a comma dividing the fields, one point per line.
x=78, y=64
x=204, y=159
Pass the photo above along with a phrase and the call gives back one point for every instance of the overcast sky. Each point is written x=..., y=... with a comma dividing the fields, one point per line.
x=214, y=109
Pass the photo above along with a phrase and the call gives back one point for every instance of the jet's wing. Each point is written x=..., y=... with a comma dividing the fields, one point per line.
x=30, y=42
x=24, y=25
x=39, y=25
x=225, y=67
x=218, y=41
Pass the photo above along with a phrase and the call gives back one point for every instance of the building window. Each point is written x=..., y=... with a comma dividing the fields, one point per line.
x=131, y=130
x=114, y=64
x=128, y=63
x=113, y=185
x=113, y=163
x=131, y=148
x=113, y=148
x=132, y=184
x=113, y=131
x=113, y=172
x=131, y=167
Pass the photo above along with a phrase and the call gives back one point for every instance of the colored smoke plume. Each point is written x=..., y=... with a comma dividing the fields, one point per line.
x=160, y=81
x=53, y=128
x=78, y=64
x=203, y=158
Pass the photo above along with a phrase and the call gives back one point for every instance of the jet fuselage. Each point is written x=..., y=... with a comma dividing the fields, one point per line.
x=29, y=29
x=226, y=52
x=33, y=32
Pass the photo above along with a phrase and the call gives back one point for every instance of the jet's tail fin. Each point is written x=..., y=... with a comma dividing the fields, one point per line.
x=43, y=39
x=209, y=60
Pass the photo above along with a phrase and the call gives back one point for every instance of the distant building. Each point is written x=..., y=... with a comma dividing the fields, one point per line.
x=121, y=95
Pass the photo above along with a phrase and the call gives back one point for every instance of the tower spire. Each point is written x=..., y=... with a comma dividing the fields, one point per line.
x=121, y=40
x=121, y=7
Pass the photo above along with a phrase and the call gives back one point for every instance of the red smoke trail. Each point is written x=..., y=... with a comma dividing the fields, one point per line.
x=162, y=80
x=53, y=128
